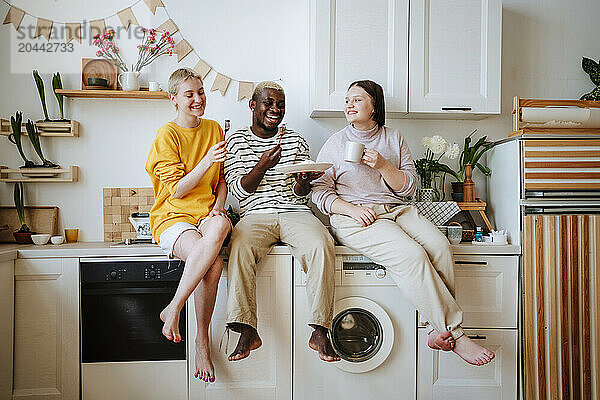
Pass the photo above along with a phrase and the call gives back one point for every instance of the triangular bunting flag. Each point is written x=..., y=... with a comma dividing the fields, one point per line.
x=43, y=28
x=14, y=16
x=97, y=27
x=168, y=26
x=245, y=90
x=221, y=84
x=182, y=49
x=202, y=68
x=152, y=4
x=127, y=18
x=73, y=31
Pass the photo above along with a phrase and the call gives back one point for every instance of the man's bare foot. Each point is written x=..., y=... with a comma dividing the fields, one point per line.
x=440, y=341
x=170, y=317
x=204, y=366
x=319, y=341
x=248, y=341
x=471, y=352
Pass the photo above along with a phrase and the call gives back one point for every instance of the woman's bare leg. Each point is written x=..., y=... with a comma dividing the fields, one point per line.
x=204, y=302
x=199, y=252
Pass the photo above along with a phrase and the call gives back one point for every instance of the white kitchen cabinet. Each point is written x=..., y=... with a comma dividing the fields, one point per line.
x=487, y=291
x=355, y=39
x=445, y=376
x=6, y=327
x=455, y=51
x=267, y=373
x=46, y=346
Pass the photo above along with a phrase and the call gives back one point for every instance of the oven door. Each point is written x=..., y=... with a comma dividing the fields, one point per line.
x=121, y=323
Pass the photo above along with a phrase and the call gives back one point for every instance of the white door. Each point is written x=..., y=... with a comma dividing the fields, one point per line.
x=445, y=376
x=267, y=373
x=46, y=355
x=455, y=52
x=353, y=40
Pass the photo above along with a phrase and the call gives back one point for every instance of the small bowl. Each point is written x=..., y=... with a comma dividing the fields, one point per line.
x=41, y=238
x=57, y=239
x=97, y=82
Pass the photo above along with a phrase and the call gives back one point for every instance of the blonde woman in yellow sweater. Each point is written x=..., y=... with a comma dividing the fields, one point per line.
x=188, y=218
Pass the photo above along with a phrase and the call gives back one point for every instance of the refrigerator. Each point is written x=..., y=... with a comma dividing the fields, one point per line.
x=545, y=191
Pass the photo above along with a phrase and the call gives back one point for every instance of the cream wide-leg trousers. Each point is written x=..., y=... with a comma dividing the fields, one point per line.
x=416, y=254
x=309, y=242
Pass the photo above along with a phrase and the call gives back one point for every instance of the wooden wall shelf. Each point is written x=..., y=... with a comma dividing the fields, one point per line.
x=113, y=94
x=45, y=128
x=14, y=175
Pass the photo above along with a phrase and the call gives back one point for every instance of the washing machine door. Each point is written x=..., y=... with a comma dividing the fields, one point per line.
x=362, y=334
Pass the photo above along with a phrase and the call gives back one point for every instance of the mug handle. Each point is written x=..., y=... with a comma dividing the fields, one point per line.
x=119, y=79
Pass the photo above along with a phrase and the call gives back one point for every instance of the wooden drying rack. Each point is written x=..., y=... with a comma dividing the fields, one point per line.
x=519, y=103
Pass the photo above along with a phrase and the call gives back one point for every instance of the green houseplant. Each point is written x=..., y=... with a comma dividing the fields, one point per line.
x=39, y=83
x=428, y=167
x=470, y=156
x=57, y=84
x=593, y=70
x=15, y=137
x=34, y=137
x=23, y=234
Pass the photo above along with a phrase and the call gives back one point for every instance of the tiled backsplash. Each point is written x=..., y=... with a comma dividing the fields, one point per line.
x=118, y=204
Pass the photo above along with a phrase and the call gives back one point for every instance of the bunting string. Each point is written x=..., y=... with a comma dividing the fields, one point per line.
x=127, y=18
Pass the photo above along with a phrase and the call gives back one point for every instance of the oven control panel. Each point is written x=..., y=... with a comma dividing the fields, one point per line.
x=130, y=269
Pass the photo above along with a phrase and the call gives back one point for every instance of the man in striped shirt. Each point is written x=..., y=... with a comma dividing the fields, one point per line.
x=274, y=209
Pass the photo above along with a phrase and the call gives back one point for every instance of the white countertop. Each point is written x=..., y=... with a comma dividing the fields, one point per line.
x=104, y=249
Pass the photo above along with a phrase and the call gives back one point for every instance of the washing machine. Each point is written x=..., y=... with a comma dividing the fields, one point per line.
x=374, y=332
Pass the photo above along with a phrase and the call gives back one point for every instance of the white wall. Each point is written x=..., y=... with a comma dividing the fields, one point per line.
x=543, y=42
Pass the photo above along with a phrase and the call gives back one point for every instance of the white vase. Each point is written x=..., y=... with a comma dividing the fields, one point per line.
x=130, y=80
x=425, y=194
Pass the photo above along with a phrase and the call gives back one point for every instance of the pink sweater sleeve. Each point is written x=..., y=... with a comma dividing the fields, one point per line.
x=323, y=188
x=407, y=166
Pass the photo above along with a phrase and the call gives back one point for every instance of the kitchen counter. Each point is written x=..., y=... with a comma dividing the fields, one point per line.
x=104, y=249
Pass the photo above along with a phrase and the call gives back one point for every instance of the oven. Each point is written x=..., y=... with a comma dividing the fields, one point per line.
x=123, y=352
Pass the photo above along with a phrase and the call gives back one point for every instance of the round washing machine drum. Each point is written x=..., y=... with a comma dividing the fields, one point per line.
x=362, y=334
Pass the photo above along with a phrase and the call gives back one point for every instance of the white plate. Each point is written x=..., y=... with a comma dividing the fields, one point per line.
x=303, y=167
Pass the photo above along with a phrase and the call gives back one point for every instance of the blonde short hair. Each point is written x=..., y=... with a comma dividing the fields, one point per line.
x=179, y=76
x=266, y=85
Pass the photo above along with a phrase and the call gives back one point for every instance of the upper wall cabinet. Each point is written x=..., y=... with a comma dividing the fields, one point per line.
x=357, y=39
x=454, y=55
x=449, y=69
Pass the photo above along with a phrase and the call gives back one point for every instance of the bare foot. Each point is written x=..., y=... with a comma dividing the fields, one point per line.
x=471, y=352
x=204, y=366
x=319, y=341
x=248, y=341
x=170, y=317
x=440, y=341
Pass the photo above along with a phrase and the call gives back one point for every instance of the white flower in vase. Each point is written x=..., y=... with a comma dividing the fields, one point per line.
x=437, y=144
x=453, y=151
x=426, y=141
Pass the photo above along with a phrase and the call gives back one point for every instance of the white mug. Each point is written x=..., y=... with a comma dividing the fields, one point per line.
x=354, y=152
x=129, y=80
x=153, y=86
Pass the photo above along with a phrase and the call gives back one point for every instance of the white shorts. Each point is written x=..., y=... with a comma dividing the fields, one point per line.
x=167, y=239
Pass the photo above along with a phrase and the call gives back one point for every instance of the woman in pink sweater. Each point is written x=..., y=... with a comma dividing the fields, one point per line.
x=368, y=213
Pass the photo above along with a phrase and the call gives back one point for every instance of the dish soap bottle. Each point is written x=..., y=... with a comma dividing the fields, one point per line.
x=478, y=234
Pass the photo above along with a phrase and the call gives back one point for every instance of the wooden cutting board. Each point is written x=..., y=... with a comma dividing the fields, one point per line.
x=40, y=219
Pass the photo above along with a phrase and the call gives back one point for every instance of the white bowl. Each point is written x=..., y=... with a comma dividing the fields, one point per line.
x=57, y=239
x=42, y=238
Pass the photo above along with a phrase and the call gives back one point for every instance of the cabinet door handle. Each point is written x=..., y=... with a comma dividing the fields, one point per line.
x=477, y=337
x=456, y=108
x=482, y=263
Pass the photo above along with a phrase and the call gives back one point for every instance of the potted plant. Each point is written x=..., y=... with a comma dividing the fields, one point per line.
x=427, y=167
x=34, y=138
x=39, y=83
x=23, y=234
x=15, y=137
x=469, y=158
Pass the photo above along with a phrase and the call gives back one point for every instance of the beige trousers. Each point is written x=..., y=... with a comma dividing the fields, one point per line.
x=416, y=254
x=309, y=242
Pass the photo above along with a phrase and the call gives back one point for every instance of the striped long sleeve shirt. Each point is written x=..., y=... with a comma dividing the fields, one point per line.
x=275, y=193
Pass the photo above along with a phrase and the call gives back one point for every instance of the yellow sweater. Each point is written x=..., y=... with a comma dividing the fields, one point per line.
x=174, y=153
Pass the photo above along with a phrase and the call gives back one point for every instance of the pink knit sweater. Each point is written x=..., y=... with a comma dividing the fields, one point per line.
x=359, y=183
